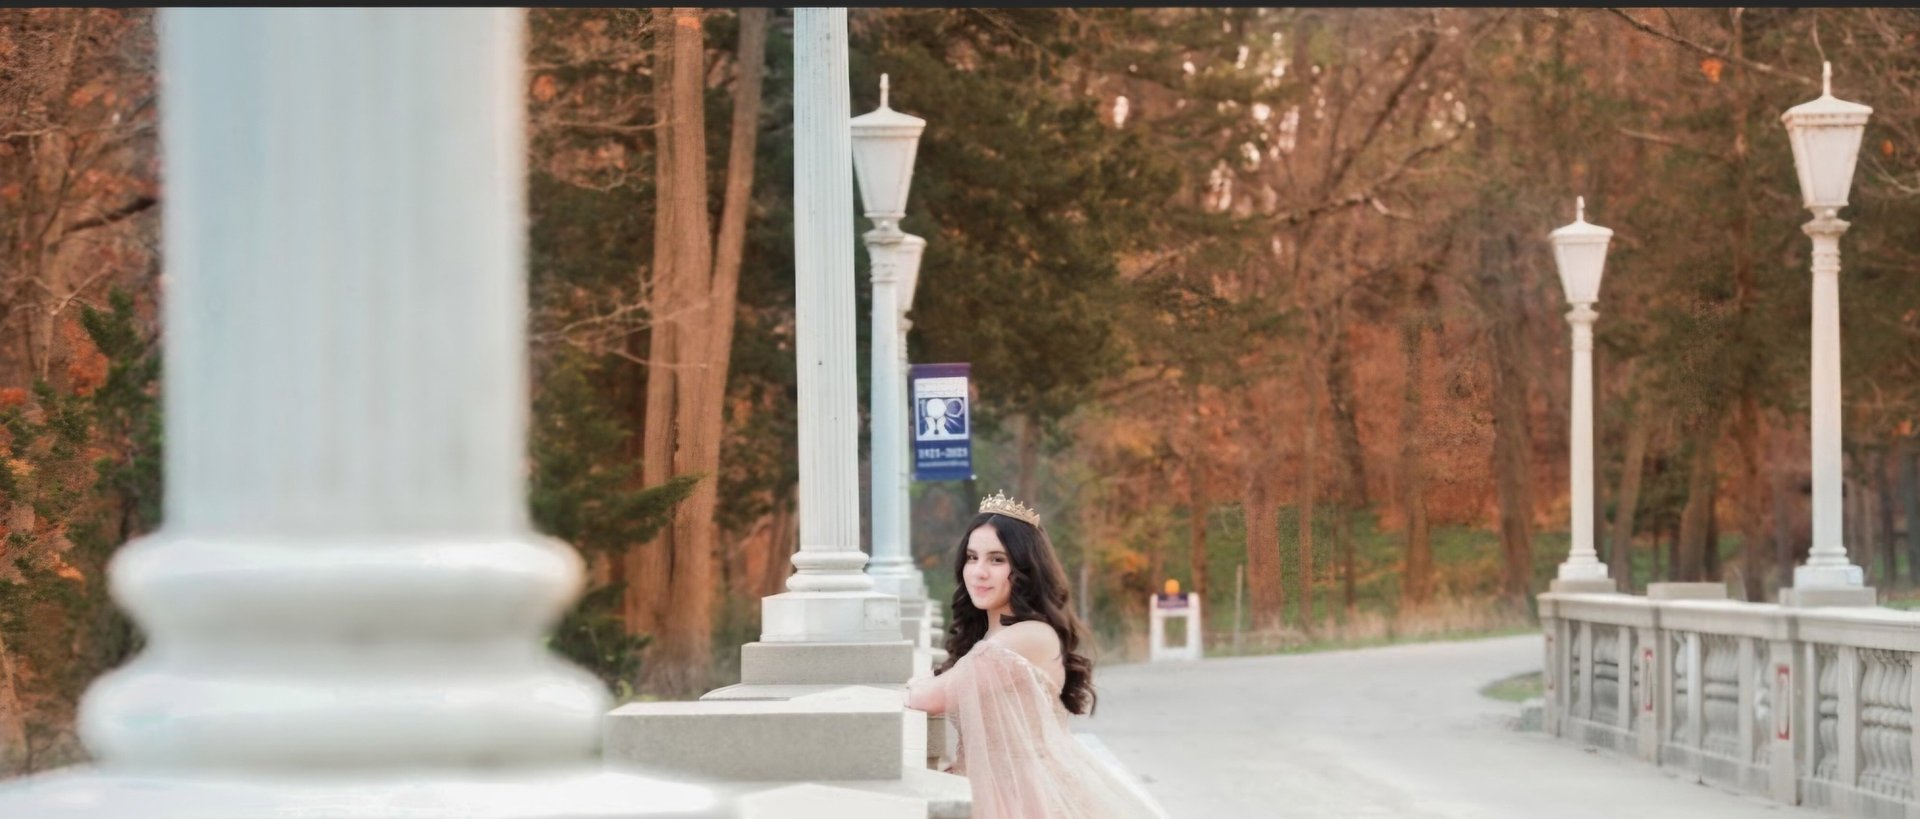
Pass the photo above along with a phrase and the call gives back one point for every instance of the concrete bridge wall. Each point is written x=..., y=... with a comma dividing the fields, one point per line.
x=1810, y=706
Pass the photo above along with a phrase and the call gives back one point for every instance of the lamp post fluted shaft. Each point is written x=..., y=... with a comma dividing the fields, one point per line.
x=889, y=416
x=894, y=569
x=904, y=463
x=1583, y=560
x=1827, y=562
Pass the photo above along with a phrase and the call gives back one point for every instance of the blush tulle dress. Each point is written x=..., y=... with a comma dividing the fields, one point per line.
x=1016, y=751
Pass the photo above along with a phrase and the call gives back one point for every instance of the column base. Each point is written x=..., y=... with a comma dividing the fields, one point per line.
x=765, y=663
x=905, y=584
x=1686, y=591
x=1818, y=597
x=830, y=617
x=915, y=625
x=1581, y=586
x=869, y=734
x=568, y=792
x=1844, y=576
x=1583, y=571
x=844, y=738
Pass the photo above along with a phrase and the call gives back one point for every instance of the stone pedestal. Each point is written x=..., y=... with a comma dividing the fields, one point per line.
x=1686, y=591
x=855, y=738
x=872, y=736
x=1817, y=597
x=1583, y=586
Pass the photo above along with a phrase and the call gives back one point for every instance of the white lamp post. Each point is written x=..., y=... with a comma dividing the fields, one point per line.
x=1580, y=252
x=884, y=144
x=909, y=253
x=1825, y=134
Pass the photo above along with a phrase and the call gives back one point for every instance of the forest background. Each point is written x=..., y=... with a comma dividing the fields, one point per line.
x=1259, y=291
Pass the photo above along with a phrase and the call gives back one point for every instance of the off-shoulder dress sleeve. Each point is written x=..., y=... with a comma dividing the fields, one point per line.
x=1017, y=752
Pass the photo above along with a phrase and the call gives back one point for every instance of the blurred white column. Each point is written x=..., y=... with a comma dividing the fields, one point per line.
x=346, y=606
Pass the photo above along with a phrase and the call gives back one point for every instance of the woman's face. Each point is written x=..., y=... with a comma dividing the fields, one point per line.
x=989, y=575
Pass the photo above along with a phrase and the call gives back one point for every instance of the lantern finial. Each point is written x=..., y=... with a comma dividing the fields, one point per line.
x=1580, y=209
x=883, y=90
x=1826, y=78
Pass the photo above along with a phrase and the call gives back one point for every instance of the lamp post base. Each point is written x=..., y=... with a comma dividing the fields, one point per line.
x=1840, y=576
x=1583, y=570
x=903, y=581
x=830, y=617
x=1582, y=586
x=1817, y=597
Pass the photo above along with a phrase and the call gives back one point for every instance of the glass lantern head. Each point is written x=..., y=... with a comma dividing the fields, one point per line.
x=1580, y=252
x=884, y=144
x=1825, y=134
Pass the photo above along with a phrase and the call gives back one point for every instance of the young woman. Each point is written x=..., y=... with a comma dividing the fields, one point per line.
x=1012, y=676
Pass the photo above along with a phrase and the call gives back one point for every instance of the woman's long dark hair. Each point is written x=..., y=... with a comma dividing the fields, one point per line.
x=1039, y=593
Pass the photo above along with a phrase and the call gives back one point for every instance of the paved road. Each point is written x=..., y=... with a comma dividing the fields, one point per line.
x=1399, y=731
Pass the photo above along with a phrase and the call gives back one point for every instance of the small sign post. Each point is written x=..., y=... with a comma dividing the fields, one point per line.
x=1176, y=605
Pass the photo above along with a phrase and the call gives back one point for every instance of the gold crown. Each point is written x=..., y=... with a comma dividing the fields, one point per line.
x=999, y=504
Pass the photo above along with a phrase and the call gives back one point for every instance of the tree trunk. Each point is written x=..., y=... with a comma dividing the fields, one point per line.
x=1783, y=525
x=1753, y=499
x=1910, y=501
x=1502, y=303
x=13, y=718
x=1343, y=538
x=1627, y=498
x=1265, y=587
x=1512, y=437
x=684, y=658
x=1883, y=504
x=649, y=566
x=1751, y=491
x=1309, y=487
x=1710, y=557
x=1197, y=508
x=1859, y=524
x=1196, y=530
x=1691, y=563
x=729, y=250
x=1353, y=460
x=1662, y=558
x=1346, y=425
x=1024, y=484
x=1417, y=576
x=780, y=545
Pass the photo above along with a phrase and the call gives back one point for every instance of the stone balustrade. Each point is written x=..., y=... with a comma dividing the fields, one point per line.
x=1811, y=706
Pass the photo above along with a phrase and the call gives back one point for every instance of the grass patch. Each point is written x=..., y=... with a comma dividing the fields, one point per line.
x=1517, y=688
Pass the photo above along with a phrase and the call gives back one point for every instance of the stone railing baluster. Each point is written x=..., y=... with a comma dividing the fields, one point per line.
x=1720, y=695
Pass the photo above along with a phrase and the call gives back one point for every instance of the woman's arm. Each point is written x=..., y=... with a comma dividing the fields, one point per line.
x=928, y=694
